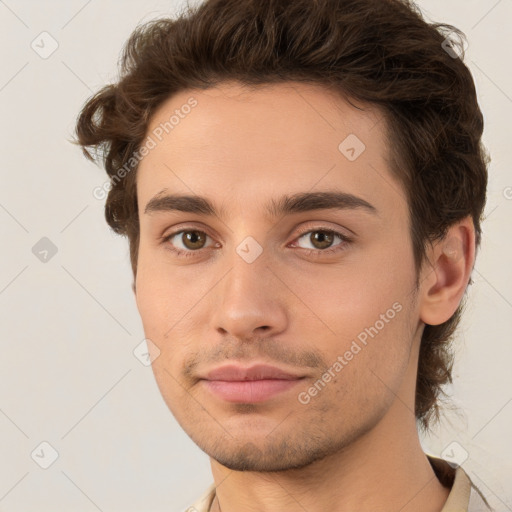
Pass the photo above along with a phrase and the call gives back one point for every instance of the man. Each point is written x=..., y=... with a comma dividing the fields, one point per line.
x=302, y=184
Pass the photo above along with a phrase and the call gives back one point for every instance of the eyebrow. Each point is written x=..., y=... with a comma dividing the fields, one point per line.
x=287, y=204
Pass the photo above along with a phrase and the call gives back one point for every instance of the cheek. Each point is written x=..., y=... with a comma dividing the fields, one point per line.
x=151, y=296
x=361, y=322
x=349, y=297
x=159, y=295
x=168, y=307
x=161, y=306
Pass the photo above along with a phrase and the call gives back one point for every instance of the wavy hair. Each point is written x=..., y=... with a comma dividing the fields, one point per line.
x=378, y=52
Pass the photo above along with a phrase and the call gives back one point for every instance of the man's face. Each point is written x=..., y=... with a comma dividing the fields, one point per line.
x=250, y=287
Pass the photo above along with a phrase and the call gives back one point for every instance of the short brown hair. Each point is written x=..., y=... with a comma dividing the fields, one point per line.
x=378, y=52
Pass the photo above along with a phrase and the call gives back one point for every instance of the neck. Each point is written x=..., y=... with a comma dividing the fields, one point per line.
x=370, y=475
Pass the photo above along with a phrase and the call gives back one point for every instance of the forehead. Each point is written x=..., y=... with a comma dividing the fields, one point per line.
x=240, y=142
x=311, y=115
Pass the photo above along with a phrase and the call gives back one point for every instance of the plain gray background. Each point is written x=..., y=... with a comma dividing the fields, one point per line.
x=69, y=323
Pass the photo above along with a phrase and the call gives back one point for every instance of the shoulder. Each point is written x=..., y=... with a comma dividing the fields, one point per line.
x=477, y=501
x=204, y=503
x=464, y=494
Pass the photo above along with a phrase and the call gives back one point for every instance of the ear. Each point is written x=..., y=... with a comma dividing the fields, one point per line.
x=444, y=281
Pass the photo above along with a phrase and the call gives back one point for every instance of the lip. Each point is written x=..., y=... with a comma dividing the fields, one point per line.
x=234, y=372
x=233, y=383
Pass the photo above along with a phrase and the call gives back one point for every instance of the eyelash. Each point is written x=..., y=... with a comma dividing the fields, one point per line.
x=308, y=252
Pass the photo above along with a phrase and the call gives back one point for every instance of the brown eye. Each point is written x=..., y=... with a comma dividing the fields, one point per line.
x=193, y=240
x=186, y=242
x=321, y=239
x=321, y=242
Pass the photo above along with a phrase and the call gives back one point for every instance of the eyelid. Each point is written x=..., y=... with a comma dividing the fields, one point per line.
x=324, y=227
x=336, y=249
x=303, y=230
x=314, y=226
x=172, y=231
x=168, y=235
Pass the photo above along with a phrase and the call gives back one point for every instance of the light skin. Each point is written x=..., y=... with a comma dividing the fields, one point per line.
x=355, y=444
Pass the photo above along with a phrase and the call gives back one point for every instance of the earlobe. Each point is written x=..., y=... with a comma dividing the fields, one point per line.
x=443, y=286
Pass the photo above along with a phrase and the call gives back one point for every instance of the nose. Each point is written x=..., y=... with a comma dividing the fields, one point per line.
x=249, y=301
